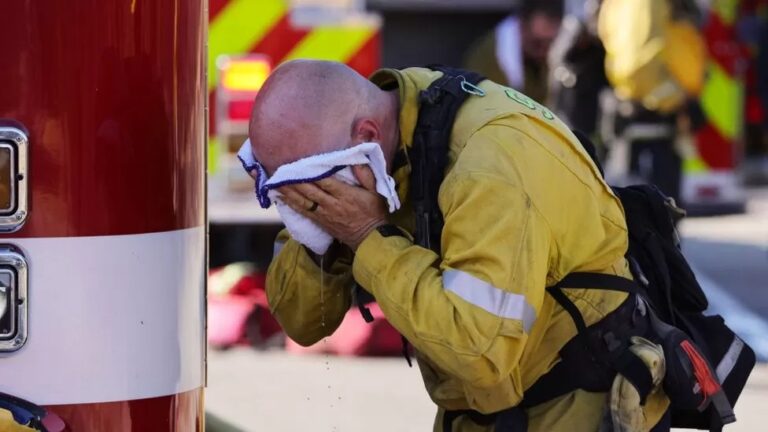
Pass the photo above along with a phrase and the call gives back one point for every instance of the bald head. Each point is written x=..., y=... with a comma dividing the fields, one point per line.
x=307, y=107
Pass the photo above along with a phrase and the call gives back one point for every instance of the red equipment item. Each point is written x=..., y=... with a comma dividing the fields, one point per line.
x=238, y=312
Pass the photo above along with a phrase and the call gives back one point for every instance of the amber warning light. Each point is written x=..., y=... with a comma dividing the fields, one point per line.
x=245, y=74
x=240, y=80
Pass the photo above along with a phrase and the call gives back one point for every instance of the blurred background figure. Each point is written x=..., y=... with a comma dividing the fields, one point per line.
x=515, y=52
x=655, y=62
x=577, y=68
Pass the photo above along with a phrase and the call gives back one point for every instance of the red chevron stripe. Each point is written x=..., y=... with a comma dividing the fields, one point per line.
x=714, y=148
x=368, y=58
x=280, y=40
x=723, y=45
x=214, y=7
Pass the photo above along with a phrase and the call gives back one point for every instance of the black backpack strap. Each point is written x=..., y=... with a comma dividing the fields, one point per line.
x=614, y=354
x=438, y=106
x=587, y=281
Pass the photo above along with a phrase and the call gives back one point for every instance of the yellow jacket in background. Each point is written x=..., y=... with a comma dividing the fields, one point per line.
x=524, y=206
x=651, y=58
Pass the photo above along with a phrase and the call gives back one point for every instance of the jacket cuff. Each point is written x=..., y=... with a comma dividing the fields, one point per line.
x=374, y=255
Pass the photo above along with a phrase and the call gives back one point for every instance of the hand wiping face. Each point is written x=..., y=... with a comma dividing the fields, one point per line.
x=307, y=176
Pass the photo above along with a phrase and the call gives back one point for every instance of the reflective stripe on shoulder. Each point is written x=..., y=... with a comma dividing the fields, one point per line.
x=486, y=296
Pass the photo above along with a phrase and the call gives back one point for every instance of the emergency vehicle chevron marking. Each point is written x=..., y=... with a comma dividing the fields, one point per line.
x=331, y=43
x=722, y=96
x=280, y=40
x=722, y=101
x=265, y=27
x=238, y=27
x=214, y=7
x=366, y=59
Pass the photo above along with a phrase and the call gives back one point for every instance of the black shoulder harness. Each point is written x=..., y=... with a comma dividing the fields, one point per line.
x=438, y=106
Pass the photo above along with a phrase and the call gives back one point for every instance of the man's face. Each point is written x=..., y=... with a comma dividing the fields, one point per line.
x=538, y=33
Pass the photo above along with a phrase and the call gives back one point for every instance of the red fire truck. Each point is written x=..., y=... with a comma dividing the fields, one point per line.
x=102, y=212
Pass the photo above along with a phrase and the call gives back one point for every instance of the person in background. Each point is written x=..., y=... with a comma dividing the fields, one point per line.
x=577, y=68
x=655, y=62
x=515, y=52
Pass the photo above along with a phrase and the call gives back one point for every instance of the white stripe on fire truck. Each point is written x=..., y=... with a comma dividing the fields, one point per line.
x=112, y=318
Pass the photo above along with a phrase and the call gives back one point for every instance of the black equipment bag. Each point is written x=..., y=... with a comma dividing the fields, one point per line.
x=707, y=363
x=678, y=301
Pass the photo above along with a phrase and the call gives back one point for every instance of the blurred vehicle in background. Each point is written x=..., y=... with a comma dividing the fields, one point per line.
x=711, y=182
x=247, y=40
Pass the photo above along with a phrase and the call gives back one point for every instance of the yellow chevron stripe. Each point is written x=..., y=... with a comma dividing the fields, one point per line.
x=722, y=100
x=331, y=43
x=695, y=165
x=692, y=161
x=238, y=27
x=213, y=155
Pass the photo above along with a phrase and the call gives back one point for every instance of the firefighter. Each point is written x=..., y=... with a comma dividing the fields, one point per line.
x=515, y=51
x=577, y=69
x=523, y=207
x=655, y=61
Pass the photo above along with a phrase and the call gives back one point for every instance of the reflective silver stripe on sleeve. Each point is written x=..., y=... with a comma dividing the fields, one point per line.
x=486, y=296
x=277, y=248
x=729, y=359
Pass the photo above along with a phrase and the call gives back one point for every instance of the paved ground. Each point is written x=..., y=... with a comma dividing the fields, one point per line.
x=274, y=391
x=730, y=255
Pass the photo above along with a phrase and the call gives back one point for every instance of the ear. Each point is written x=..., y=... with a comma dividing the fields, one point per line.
x=366, y=130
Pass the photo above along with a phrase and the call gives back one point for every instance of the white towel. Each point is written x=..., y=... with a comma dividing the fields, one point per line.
x=310, y=170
